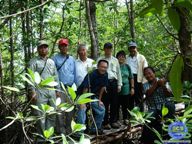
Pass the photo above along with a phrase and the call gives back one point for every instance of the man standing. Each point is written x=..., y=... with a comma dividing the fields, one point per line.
x=65, y=65
x=46, y=68
x=95, y=82
x=137, y=62
x=115, y=83
x=83, y=65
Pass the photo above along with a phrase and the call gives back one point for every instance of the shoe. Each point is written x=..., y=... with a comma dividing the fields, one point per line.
x=107, y=127
x=115, y=125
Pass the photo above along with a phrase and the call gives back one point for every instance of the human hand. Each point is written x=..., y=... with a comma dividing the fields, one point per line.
x=161, y=82
x=100, y=103
x=119, y=89
x=132, y=91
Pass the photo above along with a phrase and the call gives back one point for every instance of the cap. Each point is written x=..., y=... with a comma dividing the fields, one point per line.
x=108, y=45
x=132, y=44
x=63, y=41
x=42, y=42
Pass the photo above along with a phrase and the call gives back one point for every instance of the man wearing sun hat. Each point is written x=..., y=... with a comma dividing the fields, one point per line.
x=65, y=65
x=46, y=68
x=137, y=62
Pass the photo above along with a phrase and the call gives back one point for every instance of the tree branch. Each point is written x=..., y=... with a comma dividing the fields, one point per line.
x=27, y=10
x=166, y=28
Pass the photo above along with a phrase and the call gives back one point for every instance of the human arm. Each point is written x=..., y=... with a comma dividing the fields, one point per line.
x=119, y=78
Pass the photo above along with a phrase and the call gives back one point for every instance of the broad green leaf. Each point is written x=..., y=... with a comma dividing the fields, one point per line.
x=11, y=88
x=86, y=100
x=64, y=140
x=77, y=127
x=184, y=4
x=69, y=109
x=47, y=108
x=36, y=107
x=85, y=95
x=27, y=80
x=48, y=133
x=82, y=138
x=158, y=5
x=46, y=81
x=58, y=101
x=37, y=78
x=188, y=110
x=175, y=77
x=74, y=87
x=52, y=84
x=146, y=11
x=164, y=111
x=30, y=118
x=174, y=18
x=32, y=75
x=71, y=93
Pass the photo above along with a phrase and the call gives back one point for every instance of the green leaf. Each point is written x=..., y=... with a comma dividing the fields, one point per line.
x=47, y=108
x=164, y=111
x=188, y=110
x=85, y=95
x=147, y=11
x=175, y=77
x=32, y=75
x=64, y=140
x=30, y=118
x=158, y=5
x=27, y=80
x=47, y=81
x=36, y=107
x=48, y=133
x=11, y=88
x=174, y=18
x=183, y=4
x=82, y=138
x=86, y=100
x=77, y=127
x=71, y=93
x=37, y=78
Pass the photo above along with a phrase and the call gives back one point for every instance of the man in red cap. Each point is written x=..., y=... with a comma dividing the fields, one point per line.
x=65, y=65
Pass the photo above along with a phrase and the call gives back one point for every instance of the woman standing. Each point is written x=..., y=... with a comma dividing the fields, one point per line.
x=127, y=89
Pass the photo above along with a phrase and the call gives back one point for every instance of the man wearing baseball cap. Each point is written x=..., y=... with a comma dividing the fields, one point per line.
x=46, y=68
x=137, y=62
x=65, y=65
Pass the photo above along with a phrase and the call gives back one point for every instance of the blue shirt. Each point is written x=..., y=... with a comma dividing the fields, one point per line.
x=67, y=72
x=96, y=80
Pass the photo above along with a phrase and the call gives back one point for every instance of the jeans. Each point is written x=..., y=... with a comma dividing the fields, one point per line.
x=98, y=114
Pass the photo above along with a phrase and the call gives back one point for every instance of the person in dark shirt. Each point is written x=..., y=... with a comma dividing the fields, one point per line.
x=94, y=82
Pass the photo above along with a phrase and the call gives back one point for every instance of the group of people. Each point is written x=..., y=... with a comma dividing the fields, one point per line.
x=117, y=82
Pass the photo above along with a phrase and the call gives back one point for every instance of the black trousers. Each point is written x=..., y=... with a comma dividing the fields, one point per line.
x=127, y=103
x=138, y=87
x=110, y=99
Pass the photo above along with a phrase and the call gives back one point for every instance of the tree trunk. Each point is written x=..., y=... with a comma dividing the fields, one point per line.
x=91, y=17
x=11, y=50
x=185, y=42
x=41, y=21
x=131, y=18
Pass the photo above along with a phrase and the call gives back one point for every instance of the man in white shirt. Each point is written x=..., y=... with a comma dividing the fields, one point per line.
x=83, y=64
x=114, y=86
x=137, y=62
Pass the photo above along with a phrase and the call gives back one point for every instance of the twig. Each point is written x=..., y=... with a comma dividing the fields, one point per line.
x=23, y=128
x=166, y=28
x=6, y=126
x=27, y=10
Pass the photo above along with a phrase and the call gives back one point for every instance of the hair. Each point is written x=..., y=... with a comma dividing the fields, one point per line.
x=81, y=46
x=108, y=45
x=149, y=67
x=102, y=60
x=122, y=52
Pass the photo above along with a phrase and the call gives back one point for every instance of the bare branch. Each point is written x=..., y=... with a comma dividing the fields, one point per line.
x=27, y=10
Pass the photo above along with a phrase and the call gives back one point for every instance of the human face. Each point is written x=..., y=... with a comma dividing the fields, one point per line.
x=133, y=51
x=82, y=52
x=108, y=51
x=121, y=59
x=43, y=50
x=149, y=75
x=102, y=67
x=63, y=49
